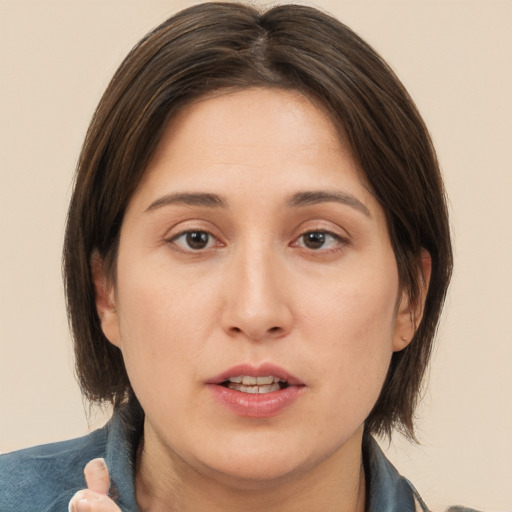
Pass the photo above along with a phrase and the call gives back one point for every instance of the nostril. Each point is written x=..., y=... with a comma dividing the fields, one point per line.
x=274, y=329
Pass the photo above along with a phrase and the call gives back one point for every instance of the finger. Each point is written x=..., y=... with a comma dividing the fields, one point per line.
x=89, y=501
x=96, y=476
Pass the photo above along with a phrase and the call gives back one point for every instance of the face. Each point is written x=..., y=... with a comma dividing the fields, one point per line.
x=257, y=299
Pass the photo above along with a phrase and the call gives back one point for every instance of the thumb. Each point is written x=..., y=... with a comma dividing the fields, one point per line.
x=96, y=476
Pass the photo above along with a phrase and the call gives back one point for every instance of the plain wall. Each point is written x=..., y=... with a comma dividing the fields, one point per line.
x=455, y=57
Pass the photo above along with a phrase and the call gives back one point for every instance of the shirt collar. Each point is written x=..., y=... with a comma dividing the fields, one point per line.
x=123, y=434
x=387, y=490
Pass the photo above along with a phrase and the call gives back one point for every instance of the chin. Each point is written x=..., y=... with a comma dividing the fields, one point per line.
x=251, y=477
x=261, y=465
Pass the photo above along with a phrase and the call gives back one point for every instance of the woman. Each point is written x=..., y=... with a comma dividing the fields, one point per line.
x=256, y=257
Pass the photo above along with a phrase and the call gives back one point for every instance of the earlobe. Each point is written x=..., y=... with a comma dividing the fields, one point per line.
x=409, y=314
x=105, y=300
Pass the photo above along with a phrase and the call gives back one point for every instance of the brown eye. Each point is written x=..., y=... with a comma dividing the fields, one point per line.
x=314, y=239
x=193, y=240
x=197, y=239
x=323, y=242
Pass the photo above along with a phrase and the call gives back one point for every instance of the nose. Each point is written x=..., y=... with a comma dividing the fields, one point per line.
x=256, y=304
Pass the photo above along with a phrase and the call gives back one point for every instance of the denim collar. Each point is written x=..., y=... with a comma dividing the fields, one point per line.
x=123, y=433
x=387, y=490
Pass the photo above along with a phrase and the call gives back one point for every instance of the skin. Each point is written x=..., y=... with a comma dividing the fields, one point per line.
x=331, y=314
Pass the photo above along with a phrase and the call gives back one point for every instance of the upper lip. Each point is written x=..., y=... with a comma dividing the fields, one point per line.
x=262, y=370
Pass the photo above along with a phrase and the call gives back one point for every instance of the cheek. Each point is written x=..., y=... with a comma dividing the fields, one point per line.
x=163, y=322
x=353, y=322
x=358, y=306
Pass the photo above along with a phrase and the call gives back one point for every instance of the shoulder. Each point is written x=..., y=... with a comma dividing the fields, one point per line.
x=44, y=478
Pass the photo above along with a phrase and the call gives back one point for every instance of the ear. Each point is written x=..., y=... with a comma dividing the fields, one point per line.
x=409, y=314
x=105, y=300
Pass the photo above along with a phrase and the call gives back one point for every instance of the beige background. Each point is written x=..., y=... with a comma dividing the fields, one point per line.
x=455, y=57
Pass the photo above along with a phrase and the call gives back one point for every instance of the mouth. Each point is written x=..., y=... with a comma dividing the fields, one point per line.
x=256, y=391
x=255, y=385
x=265, y=378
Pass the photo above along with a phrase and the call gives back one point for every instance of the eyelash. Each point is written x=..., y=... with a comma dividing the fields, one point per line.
x=188, y=232
x=339, y=241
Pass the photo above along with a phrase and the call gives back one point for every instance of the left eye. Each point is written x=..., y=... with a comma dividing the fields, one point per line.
x=194, y=240
x=316, y=240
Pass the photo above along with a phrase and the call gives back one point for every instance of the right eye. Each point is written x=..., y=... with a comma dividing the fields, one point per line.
x=193, y=240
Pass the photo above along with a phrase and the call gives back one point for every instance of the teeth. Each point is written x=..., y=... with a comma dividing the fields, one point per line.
x=248, y=384
x=246, y=380
x=254, y=389
x=262, y=381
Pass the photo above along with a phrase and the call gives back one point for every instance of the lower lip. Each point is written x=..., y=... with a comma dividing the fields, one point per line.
x=256, y=405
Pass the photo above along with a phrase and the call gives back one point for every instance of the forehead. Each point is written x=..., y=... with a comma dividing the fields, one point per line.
x=255, y=114
x=251, y=127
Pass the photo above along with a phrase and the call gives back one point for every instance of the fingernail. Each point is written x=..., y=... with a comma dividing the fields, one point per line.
x=97, y=464
x=81, y=505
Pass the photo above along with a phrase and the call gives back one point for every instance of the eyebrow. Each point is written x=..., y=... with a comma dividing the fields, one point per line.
x=189, y=199
x=300, y=199
x=322, y=196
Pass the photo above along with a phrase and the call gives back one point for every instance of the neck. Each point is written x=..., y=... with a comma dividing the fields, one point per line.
x=336, y=484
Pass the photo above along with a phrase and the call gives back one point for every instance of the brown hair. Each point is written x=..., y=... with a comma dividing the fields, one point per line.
x=215, y=46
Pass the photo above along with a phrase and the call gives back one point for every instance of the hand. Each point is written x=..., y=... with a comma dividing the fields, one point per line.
x=94, y=498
